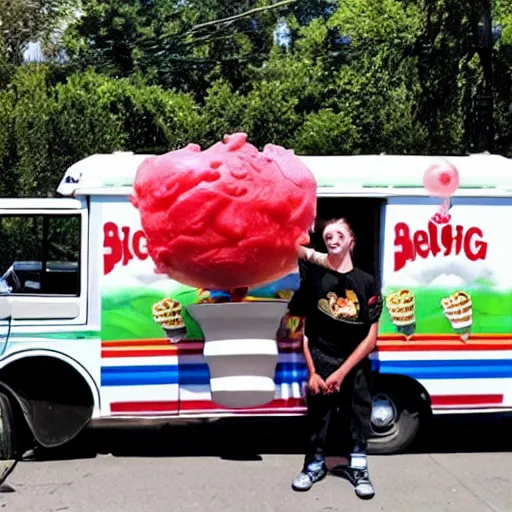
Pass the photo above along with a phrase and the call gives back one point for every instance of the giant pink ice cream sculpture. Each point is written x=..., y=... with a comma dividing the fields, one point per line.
x=229, y=217
x=226, y=217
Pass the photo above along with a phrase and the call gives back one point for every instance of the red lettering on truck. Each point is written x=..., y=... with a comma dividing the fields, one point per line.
x=447, y=240
x=122, y=244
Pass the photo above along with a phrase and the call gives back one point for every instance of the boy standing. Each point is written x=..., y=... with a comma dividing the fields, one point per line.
x=341, y=305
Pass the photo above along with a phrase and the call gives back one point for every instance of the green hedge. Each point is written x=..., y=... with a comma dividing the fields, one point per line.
x=51, y=118
x=45, y=126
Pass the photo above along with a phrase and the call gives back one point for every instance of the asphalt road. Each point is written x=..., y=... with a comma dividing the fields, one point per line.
x=461, y=466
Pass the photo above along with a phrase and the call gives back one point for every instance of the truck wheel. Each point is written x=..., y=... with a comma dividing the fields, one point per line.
x=7, y=435
x=396, y=420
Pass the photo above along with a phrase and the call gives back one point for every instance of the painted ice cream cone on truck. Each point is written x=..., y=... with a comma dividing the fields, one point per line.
x=168, y=313
x=401, y=309
x=458, y=309
x=229, y=218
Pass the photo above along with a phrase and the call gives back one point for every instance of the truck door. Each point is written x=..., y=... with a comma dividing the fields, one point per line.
x=50, y=357
x=43, y=268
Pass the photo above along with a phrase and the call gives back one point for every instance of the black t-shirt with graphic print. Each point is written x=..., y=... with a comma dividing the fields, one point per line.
x=339, y=308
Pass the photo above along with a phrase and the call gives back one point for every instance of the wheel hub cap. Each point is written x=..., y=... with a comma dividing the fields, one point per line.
x=383, y=412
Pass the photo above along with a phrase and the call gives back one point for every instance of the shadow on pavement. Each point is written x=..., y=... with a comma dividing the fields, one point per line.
x=248, y=440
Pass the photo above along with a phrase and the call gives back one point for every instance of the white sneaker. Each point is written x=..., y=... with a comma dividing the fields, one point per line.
x=305, y=480
x=360, y=479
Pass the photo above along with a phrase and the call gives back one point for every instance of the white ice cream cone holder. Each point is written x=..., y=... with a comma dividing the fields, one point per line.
x=240, y=350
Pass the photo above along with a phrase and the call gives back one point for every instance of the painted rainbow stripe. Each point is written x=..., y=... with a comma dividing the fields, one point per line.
x=150, y=348
x=185, y=374
x=189, y=369
x=387, y=343
x=278, y=406
x=295, y=406
x=443, y=342
x=195, y=374
x=450, y=401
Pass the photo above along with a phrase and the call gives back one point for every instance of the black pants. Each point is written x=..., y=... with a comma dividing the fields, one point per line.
x=339, y=423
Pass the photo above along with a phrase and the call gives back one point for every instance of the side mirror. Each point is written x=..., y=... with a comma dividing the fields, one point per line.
x=5, y=300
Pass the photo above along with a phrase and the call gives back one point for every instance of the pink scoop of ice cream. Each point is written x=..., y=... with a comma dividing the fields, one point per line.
x=226, y=217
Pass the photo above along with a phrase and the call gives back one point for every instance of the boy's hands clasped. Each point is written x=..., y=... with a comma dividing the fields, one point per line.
x=332, y=384
x=334, y=381
x=316, y=384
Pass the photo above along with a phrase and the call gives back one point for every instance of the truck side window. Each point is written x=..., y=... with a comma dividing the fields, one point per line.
x=41, y=254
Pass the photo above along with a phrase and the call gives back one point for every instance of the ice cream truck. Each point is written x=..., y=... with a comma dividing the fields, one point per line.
x=91, y=335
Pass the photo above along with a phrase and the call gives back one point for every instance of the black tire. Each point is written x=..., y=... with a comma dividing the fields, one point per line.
x=7, y=429
x=410, y=413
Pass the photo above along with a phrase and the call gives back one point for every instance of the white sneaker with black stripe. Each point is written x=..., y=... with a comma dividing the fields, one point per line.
x=360, y=479
x=357, y=474
x=305, y=480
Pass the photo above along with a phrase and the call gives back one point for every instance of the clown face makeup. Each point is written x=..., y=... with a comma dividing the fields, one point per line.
x=338, y=239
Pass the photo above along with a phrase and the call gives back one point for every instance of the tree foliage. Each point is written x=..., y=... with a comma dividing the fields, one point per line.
x=24, y=21
x=395, y=76
x=46, y=126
